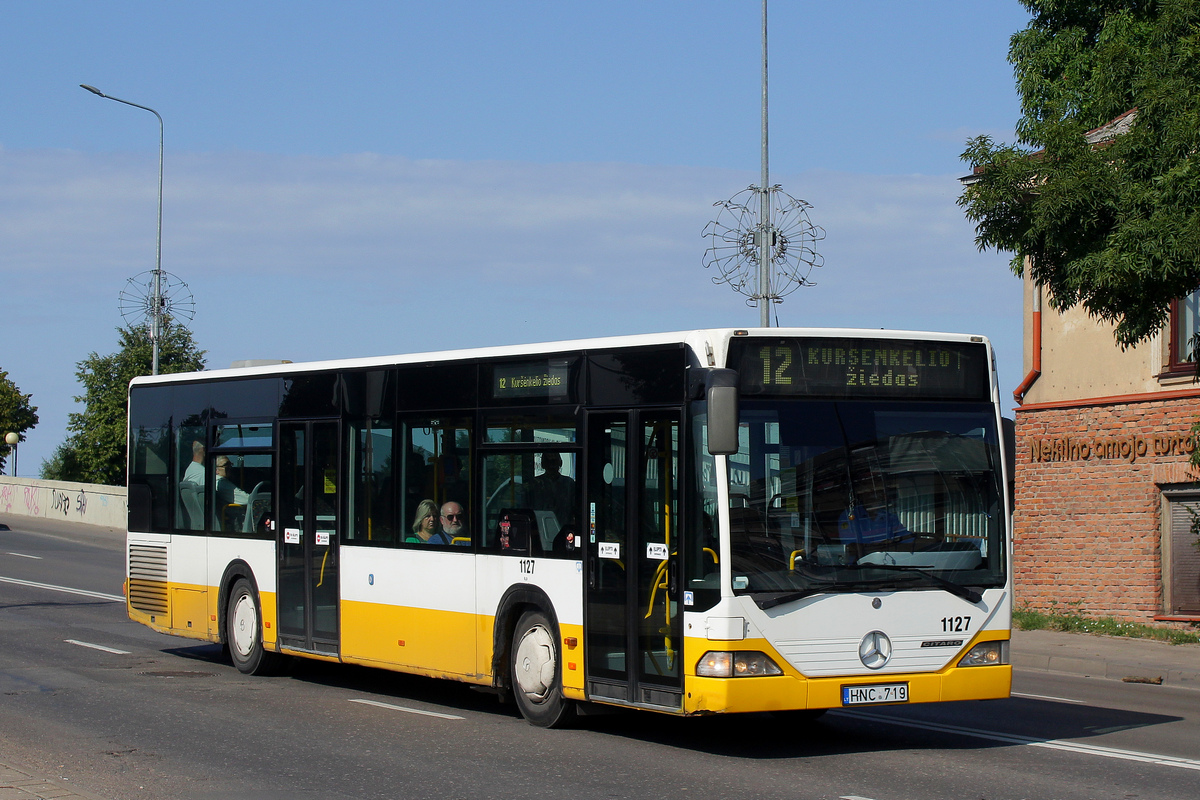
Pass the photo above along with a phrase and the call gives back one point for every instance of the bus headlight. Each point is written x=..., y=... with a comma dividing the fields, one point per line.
x=738, y=664
x=985, y=654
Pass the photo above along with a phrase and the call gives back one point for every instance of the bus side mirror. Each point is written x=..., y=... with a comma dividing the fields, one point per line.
x=721, y=389
x=1009, y=429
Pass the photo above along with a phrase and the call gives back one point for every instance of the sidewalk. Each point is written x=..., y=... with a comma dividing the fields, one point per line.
x=1112, y=657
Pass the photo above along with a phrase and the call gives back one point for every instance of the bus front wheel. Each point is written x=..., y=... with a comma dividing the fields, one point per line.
x=536, y=672
x=243, y=632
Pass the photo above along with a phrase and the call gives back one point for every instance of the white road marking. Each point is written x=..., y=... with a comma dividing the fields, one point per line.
x=1048, y=697
x=116, y=598
x=112, y=650
x=23, y=555
x=852, y=797
x=406, y=710
x=1051, y=744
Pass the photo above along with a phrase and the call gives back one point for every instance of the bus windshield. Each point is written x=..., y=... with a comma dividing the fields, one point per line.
x=867, y=495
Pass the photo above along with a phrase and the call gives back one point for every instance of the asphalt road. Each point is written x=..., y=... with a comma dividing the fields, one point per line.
x=88, y=697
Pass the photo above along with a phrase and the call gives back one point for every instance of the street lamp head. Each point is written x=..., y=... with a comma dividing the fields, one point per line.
x=93, y=90
x=11, y=438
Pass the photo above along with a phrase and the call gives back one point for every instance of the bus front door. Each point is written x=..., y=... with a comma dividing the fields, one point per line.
x=632, y=624
x=308, y=533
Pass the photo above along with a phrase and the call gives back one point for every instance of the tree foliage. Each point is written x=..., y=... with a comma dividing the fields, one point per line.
x=1111, y=225
x=94, y=451
x=16, y=415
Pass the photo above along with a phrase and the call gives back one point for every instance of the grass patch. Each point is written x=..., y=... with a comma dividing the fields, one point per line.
x=1028, y=620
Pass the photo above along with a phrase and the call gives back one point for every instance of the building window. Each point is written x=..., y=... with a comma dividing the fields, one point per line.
x=1185, y=324
x=1181, y=556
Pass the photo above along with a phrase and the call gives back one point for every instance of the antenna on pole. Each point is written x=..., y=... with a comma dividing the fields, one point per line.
x=762, y=241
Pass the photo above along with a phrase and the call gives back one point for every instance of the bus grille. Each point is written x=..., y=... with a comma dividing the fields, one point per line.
x=148, y=578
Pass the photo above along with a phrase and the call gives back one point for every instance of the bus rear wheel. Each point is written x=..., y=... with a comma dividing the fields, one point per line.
x=243, y=632
x=537, y=674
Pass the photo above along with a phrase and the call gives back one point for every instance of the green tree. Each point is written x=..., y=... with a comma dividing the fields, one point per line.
x=16, y=415
x=1112, y=223
x=94, y=451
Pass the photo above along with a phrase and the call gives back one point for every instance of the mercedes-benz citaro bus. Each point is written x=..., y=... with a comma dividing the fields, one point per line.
x=706, y=522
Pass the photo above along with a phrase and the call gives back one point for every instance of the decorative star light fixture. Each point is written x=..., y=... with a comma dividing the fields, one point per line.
x=736, y=245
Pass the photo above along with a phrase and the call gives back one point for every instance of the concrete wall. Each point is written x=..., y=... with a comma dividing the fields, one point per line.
x=87, y=503
x=1081, y=359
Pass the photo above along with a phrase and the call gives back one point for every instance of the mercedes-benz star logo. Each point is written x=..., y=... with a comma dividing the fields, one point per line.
x=875, y=650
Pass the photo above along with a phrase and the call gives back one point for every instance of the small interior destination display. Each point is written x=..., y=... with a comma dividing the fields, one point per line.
x=846, y=367
x=532, y=379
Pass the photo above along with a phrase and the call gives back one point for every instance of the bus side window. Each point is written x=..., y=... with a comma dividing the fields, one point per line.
x=434, y=455
x=372, y=487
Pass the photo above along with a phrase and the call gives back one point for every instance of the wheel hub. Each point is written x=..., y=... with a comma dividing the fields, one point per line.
x=535, y=663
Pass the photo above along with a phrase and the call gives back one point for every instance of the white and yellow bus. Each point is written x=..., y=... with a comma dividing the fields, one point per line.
x=714, y=521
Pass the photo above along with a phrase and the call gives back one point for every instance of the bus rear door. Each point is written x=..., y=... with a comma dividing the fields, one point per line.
x=308, y=535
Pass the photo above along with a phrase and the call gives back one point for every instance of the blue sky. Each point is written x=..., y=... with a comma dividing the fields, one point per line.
x=347, y=179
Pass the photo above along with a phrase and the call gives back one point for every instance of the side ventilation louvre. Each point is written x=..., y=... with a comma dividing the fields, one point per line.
x=148, y=578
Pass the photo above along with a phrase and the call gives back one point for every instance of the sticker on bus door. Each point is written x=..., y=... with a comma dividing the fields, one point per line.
x=291, y=536
x=610, y=549
x=657, y=551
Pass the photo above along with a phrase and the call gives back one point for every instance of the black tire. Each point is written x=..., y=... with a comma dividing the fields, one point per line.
x=535, y=667
x=243, y=632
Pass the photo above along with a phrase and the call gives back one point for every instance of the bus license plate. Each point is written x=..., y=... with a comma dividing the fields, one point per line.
x=875, y=693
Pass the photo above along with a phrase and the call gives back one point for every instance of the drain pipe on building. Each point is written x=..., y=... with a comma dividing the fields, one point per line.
x=1036, y=370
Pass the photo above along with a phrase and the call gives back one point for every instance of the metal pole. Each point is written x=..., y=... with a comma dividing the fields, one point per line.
x=156, y=300
x=764, y=243
x=12, y=439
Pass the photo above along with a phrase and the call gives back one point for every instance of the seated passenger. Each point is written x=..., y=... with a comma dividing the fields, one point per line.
x=229, y=499
x=425, y=524
x=194, y=474
x=227, y=491
x=454, y=524
x=870, y=520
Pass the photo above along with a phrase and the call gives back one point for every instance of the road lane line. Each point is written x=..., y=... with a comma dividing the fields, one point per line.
x=112, y=650
x=1048, y=697
x=406, y=710
x=1050, y=744
x=116, y=598
x=23, y=555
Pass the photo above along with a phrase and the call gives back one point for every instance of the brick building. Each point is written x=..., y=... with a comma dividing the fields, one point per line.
x=1104, y=482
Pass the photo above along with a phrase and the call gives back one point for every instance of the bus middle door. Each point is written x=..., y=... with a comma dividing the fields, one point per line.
x=632, y=623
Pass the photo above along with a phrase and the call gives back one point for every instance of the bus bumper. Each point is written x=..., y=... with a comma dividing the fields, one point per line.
x=790, y=692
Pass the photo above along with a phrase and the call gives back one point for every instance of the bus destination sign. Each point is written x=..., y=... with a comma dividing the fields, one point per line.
x=846, y=367
x=532, y=379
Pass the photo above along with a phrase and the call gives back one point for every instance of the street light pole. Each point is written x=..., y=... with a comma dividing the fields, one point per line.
x=156, y=310
x=11, y=440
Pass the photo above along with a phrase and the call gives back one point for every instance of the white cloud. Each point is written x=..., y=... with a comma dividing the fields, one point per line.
x=305, y=257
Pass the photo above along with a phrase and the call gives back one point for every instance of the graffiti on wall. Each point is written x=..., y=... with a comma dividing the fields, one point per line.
x=85, y=503
x=32, y=505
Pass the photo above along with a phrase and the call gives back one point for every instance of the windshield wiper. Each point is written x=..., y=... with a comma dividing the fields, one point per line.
x=816, y=588
x=965, y=592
